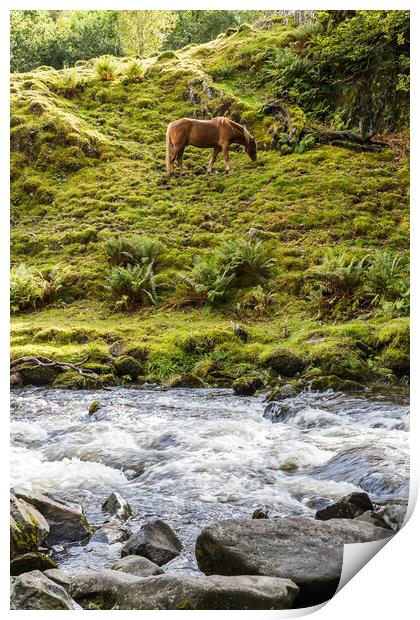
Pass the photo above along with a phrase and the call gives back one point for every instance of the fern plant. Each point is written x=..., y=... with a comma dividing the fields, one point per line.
x=207, y=284
x=133, y=285
x=249, y=262
x=106, y=68
x=134, y=250
x=27, y=288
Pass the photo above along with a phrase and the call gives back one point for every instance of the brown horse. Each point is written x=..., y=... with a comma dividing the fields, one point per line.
x=218, y=133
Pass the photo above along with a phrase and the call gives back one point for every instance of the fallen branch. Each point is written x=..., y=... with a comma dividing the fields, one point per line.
x=45, y=361
x=336, y=137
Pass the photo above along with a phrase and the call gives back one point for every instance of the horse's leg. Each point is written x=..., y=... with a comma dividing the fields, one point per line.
x=225, y=149
x=213, y=156
x=172, y=155
x=180, y=159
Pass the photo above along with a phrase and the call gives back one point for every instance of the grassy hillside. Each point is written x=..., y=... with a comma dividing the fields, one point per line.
x=88, y=155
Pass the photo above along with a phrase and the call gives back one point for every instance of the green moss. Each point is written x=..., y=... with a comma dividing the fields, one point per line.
x=186, y=380
x=247, y=385
x=283, y=361
x=128, y=366
x=168, y=55
x=332, y=382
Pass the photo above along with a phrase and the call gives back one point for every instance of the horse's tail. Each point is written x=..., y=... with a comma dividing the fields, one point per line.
x=169, y=146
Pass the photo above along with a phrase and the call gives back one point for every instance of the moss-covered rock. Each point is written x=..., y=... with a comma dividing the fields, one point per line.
x=342, y=361
x=282, y=393
x=28, y=528
x=397, y=360
x=72, y=380
x=35, y=374
x=200, y=343
x=332, y=382
x=31, y=561
x=283, y=361
x=185, y=380
x=94, y=406
x=127, y=366
x=247, y=386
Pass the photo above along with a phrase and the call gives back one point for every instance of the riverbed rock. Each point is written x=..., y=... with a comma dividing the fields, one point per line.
x=28, y=527
x=138, y=566
x=282, y=393
x=283, y=361
x=247, y=386
x=94, y=406
x=34, y=590
x=155, y=541
x=108, y=589
x=118, y=506
x=111, y=532
x=35, y=374
x=393, y=512
x=185, y=380
x=128, y=366
x=331, y=382
x=67, y=521
x=216, y=592
x=278, y=412
x=59, y=576
x=348, y=507
x=308, y=552
x=374, y=518
x=31, y=561
x=99, y=589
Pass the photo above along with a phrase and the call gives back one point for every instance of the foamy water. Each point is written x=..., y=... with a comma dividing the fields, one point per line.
x=191, y=457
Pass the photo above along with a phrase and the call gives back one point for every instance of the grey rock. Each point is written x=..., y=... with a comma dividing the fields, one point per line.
x=59, y=576
x=118, y=506
x=99, y=589
x=155, y=541
x=138, y=566
x=34, y=590
x=393, y=513
x=67, y=521
x=216, y=592
x=28, y=528
x=111, y=532
x=282, y=393
x=278, y=411
x=348, y=507
x=308, y=552
x=109, y=589
x=374, y=518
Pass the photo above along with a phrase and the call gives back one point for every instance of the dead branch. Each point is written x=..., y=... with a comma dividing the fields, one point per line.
x=45, y=361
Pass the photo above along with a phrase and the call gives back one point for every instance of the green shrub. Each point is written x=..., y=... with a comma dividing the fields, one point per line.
x=249, y=262
x=134, y=250
x=106, y=68
x=207, y=284
x=27, y=288
x=134, y=72
x=69, y=83
x=132, y=286
x=346, y=285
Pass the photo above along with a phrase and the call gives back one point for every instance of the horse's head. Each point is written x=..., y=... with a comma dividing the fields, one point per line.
x=250, y=146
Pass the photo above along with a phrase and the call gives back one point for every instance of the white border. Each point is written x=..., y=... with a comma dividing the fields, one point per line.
x=387, y=585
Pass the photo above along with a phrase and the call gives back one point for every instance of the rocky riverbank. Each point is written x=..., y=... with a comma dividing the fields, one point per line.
x=255, y=563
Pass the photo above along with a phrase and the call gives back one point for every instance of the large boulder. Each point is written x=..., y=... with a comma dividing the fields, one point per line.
x=186, y=380
x=31, y=561
x=28, y=528
x=118, y=506
x=67, y=521
x=308, y=552
x=127, y=366
x=283, y=361
x=155, y=541
x=348, y=507
x=99, y=589
x=138, y=566
x=59, y=576
x=109, y=589
x=35, y=591
x=282, y=393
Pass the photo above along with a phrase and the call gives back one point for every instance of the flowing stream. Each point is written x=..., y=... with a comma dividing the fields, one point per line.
x=192, y=457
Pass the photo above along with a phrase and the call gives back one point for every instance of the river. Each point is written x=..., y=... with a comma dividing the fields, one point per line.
x=192, y=457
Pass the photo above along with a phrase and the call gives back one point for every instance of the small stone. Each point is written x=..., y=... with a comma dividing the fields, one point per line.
x=348, y=507
x=94, y=406
x=137, y=565
x=260, y=513
x=118, y=506
x=155, y=541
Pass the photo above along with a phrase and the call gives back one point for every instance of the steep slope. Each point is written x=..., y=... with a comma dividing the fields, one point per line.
x=88, y=162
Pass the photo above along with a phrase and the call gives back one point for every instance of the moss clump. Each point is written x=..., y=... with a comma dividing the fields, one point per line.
x=34, y=374
x=283, y=361
x=247, y=386
x=72, y=380
x=396, y=360
x=139, y=352
x=186, y=380
x=168, y=55
x=31, y=561
x=127, y=366
x=341, y=360
x=332, y=382
x=202, y=343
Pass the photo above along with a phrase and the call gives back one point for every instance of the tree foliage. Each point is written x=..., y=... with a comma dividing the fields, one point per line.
x=144, y=32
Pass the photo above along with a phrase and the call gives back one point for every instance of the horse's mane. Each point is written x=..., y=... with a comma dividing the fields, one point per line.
x=240, y=128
